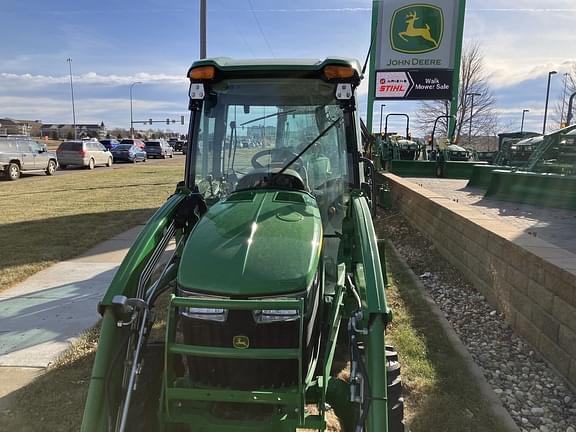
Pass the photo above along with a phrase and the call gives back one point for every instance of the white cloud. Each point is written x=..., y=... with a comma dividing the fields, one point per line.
x=523, y=43
x=90, y=78
x=518, y=109
x=92, y=110
x=503, y=74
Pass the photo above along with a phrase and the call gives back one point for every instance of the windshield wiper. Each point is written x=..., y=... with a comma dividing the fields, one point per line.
x=279, y=113
x=320, y=135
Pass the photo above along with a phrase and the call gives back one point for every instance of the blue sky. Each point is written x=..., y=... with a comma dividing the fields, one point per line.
x=113, y=44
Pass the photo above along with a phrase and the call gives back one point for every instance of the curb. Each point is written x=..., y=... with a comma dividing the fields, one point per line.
x=485, y=389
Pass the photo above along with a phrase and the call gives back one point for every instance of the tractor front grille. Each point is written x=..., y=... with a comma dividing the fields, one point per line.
x=241, y=374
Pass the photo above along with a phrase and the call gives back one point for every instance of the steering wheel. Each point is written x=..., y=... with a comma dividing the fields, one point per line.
x=277, y=155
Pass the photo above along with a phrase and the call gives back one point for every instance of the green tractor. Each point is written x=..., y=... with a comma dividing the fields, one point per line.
x=391, y=146
x=254, y=298
x=515, y=148
x=554, y=153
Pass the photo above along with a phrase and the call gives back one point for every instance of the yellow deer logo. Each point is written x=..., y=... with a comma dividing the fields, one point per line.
x=411, y=31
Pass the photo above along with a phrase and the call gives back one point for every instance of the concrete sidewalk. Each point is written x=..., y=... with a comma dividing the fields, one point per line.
x=42, y=315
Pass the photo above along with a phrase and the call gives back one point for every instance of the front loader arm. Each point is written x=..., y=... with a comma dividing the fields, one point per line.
x=369, y=325
x=105, y=382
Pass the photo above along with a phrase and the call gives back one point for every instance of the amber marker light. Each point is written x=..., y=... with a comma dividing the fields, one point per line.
x=338, y=72
x=202, y=73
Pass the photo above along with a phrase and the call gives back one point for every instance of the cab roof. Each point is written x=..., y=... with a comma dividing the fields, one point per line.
x=276, y=67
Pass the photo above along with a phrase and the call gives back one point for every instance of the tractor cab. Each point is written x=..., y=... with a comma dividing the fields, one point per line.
x=285, y=130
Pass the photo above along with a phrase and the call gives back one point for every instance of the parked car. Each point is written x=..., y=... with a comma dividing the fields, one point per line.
x=109, y=143
x=176, y=144
x=83, y=153
x=129, y=153
x=136, y=141
x=19, y=153
x=158, y=148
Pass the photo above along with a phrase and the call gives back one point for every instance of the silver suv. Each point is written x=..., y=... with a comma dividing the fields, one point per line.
x=19, y=153
x=158, y=148
x=83, y=153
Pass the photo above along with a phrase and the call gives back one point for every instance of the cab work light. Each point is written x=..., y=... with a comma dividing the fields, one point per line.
x=202, y=73
x=338, y=72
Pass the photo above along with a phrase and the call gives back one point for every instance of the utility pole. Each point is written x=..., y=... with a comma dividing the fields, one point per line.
x=202, y=29
x=69, y=60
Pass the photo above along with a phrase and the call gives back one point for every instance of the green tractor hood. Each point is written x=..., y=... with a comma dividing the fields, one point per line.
x=255, y=243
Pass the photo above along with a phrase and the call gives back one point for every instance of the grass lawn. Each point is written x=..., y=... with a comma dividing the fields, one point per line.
x=440, y=393
x=48, y=219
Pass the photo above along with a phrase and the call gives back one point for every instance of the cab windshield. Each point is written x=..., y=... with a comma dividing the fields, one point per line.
x=253, y=130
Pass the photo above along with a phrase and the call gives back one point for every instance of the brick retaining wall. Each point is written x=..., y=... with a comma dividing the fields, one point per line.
x=532, y=282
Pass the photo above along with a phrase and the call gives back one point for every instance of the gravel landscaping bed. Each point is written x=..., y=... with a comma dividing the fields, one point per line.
x=536, y=398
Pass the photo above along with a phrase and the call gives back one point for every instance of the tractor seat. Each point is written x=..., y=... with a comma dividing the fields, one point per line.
x=265, y=178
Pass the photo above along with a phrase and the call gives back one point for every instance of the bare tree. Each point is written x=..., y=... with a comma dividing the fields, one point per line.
x=473, y=79
x=568, y=88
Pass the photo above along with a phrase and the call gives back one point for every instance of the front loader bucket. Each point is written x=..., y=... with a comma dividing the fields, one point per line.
x=481, y=176
x=413, y=168
x=546, y=190
x=459, y=169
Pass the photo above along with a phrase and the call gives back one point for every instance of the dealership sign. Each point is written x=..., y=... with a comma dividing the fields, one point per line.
x=419, y=85
x=416, y=35
x=416, y=45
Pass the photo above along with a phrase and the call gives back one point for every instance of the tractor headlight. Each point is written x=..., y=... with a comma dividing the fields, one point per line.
x=208, y=314
x=274, y=315
x=266, y=316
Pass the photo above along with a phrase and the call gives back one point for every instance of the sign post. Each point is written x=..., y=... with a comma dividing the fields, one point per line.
x=417, y=51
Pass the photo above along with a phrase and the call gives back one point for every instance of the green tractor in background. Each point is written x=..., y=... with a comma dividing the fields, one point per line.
x=554, y=153
x=395, y=147
x=254, y=298
x=515, y=148
x=452, y=161
x=400, y=154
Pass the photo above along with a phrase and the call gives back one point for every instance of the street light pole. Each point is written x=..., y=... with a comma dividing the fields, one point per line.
x=546, y=105
x=471, y=113
x=131, y=118
x=69, y=60
x=381, y=108
x=569, y=113
x=564, y=99
x=524, y=111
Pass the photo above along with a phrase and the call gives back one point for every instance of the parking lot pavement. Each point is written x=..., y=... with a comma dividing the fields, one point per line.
x=43, y=314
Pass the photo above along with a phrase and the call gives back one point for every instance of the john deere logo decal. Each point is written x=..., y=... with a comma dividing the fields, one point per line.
x=416, y=28
x=241, y=342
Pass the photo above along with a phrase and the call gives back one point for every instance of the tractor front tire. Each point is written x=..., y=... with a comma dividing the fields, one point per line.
x=394, y=384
